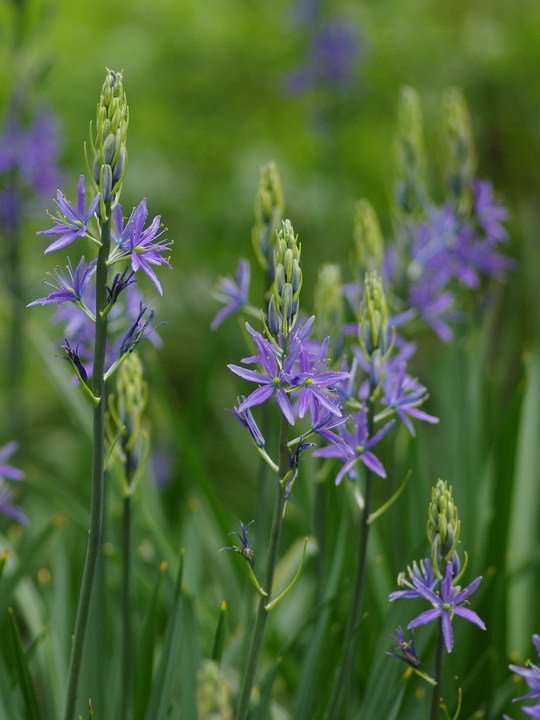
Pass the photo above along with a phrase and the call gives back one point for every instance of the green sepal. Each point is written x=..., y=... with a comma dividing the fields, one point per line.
x=377, y=514
x=290, y=586
x=219, y=638
x=33, y=711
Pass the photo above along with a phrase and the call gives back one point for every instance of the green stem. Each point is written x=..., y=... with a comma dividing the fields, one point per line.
x=126, y=609
x=262, y=613
x=98, y=458
x=355, y=606
x=435, y=699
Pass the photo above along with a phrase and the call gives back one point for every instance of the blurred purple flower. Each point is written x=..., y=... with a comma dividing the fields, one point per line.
x=233, y=294
x=531, y=674
x=404, y=395
x=406, y=647
x=8, y=471
x=489, y=213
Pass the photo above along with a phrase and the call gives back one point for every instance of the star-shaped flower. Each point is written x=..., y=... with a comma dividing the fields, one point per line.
x=233, y=294
x=70, y=223
x=68, y=287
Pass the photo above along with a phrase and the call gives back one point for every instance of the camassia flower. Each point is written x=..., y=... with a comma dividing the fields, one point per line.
x=404, y=395
x=448, y=603
x=8, y=472
x=140, y=244
x=71, y=223
x=246, y=552
x=68, y=287
x=355, y=447
x=275, y=380
x=531, y=675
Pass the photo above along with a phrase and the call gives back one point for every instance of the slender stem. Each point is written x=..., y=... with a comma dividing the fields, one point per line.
x=126, y=610
x=355, y=606
x=262, y=613
x=436, y=697
x=98, y=458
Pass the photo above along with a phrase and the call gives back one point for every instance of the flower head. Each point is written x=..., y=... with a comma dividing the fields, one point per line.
x=71, y=223
x=406, y=647
x=68, y=287
x=531, y=675
x=404, y=395
x=448, y=603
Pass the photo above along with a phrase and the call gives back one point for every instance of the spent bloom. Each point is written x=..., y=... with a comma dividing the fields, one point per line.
x=71, y=222
x=406, y=648
x=246, y=552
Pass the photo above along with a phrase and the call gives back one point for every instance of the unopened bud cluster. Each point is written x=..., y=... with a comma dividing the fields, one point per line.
x=443, y=526
x=269, y=205
x=214, y=695
x=373, y=321
x=368, y=239
x=109, y=162
x=284, y=302
x=410, y=189
x=328, y=306
x=458, y=146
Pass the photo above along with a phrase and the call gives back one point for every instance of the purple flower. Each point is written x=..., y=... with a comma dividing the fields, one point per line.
x=422, y=576
x=68, y=287
x=246, y=552
x=354, y=447
x=9, y=509
x=489, y=213
x=531, y=674
x=404, y=395
x=70, y=223
x=8, y=471
x=273, y=381
x=311, y=377
x=450, y=602
x=74, y=359
x=406, y=647
x=139, y=244
x=233, y=294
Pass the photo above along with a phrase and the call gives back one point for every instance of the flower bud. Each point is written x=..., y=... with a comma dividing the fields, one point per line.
x=458, y=147
x=443, y=526
x=287, y=276
x=105, y=182
x=373, y=325
x=214, y=696
x=368, y=239
x=410, y=185
x=268, y=206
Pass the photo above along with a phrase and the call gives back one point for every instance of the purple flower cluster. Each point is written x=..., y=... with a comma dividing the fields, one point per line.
x=31, y=152
x=531, y=675
x=74, y=291
x=8, y=472
x=450, y=600
x=449, y=250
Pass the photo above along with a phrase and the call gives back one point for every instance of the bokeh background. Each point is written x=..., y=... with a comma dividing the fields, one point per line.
x=217, y=88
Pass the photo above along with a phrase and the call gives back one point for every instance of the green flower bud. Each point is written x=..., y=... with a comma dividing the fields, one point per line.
x=269, y=206
x=287, y=276
x=108, y=144
x=328, y=305
x=373, y=327
x=458, y=147
x=443, y=526
x=410, y=186
x=368, y=239
x=214, y=696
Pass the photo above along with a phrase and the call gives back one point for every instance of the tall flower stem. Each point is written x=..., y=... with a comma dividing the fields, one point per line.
x=98, y=459
x=262, y=612
x=435, y=700
x=126, y=605
x=355, y=606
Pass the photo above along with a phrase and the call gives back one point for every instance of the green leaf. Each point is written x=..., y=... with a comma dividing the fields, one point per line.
x=143, y=682
x=219, y=638
x=160, y=695
x=25, y=680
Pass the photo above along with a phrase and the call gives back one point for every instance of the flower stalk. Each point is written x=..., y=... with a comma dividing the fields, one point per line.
x=98, y=463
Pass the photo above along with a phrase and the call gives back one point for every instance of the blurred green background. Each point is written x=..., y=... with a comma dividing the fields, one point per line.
x=205, y=84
